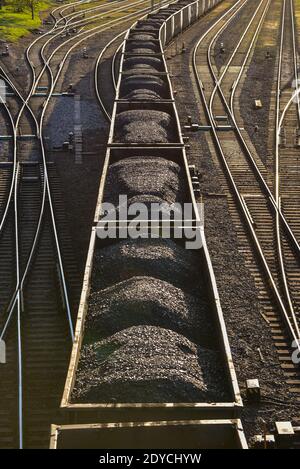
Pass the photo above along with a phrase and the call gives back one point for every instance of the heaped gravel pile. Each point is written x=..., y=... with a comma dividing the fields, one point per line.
x=153, y=62
x=153, y=23
x=139, y=50
x=148, y=301
x=146, y=26
x=142, y=37
x=131, y=45
x=141, y=68
x=160, y=211
x=142, y=95
x=143, y=126
x=148, y=364
x=146, y=175
x=159, y=258
x=143, y=81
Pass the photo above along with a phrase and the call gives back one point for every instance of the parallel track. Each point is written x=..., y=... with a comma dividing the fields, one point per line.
x=37, y=324
x=247, y=177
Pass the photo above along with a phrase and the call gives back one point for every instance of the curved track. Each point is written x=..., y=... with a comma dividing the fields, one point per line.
x=25, y=324
x=274, y=236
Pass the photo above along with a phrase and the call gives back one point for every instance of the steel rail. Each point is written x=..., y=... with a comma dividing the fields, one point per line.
x=225, y=70
x=19, y=322
x=213, y=41
x=96, y=73
x=113, y=65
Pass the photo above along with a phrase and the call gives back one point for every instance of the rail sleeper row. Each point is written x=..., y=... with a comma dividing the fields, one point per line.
x=151, y=342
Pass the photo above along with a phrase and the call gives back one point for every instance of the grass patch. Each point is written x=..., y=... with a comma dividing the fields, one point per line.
x=14, y=25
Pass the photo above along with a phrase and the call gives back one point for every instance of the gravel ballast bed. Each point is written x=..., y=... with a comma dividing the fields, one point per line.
x=143, y=126
x=159, y=258
x=149, y=301
x=146, y=176
x=148, y=364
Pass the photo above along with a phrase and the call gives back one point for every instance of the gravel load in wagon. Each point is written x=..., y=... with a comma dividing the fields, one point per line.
x=145, y=81
x=154, y=46
x=148, y=364
x=146, y=175
x=141, y=51
x=133, y=62
x=147, y=26
x=142, y=37
x=161, y=16
x=160, y=258
x=140, y=69
x=155, y=208
x=144, y=126
x=142, y=95
x=152, y=24
x=148, y=301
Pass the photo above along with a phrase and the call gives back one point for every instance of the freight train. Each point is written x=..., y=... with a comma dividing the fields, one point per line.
x=151, y=364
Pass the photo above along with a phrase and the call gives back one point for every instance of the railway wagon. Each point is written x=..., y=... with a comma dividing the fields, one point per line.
x=191, y=434
x=150, y=342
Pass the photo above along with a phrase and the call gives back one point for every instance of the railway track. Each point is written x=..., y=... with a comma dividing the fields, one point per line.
x=273, y=255
x=42, y=332
x=36, y=322
x=108, y=56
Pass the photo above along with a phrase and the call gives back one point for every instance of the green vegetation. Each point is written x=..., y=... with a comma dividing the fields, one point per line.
x=18, y=17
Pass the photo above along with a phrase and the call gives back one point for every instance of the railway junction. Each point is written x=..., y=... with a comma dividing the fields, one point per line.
x=149, y=226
